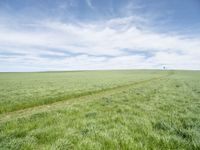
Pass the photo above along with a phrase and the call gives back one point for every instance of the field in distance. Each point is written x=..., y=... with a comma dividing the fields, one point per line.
x=119, y=109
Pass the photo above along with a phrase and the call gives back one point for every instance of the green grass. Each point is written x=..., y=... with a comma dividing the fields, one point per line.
x=100, y=110
x=23, y=90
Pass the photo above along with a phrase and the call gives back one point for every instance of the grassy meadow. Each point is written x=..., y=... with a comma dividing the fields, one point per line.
x=121, y=109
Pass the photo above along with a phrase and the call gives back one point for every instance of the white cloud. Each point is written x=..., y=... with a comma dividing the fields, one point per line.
x=89, y=44
x=89, y=3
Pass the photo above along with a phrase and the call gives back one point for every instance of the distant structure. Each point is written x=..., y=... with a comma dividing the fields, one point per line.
x=164, y=67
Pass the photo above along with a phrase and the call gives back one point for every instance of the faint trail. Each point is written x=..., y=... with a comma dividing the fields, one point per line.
x=82, y=97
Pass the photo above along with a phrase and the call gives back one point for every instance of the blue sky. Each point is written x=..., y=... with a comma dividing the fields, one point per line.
x=42, y=35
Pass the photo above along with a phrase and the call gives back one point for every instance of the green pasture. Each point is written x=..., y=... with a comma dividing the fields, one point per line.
x=121, y=109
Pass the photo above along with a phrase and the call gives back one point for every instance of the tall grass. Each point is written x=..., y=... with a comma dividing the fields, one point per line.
x=160, y=114
x=23, y=90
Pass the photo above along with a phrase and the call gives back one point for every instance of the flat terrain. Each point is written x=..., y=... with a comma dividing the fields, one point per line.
x=124, y=109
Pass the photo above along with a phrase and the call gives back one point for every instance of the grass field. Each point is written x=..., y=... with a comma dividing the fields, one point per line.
x=130, y=109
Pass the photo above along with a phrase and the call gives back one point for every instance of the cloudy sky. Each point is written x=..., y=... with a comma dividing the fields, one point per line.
x=41, y=35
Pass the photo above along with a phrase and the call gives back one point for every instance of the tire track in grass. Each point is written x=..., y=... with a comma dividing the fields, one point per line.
x=87, y=96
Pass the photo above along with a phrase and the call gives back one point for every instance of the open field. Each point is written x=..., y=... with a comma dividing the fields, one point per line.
x=22, y=90
x=130, y=109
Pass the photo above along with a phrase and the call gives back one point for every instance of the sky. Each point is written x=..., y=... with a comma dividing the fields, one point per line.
x=51, y=35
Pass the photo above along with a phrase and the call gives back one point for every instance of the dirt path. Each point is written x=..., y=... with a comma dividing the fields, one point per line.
x=89, y=96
